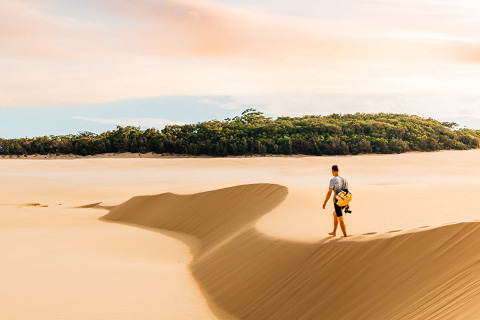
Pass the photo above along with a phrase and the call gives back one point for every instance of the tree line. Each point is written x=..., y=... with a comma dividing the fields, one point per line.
x=252, y=133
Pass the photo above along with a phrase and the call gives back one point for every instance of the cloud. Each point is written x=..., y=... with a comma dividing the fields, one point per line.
x=469, y=53
x=29, y=30
x=150, y=48
x=425, y=35
x=244, y=37
x=209, y=30
x=230, y=105
x=439, y=106
x=142, y=122
x=191, y=30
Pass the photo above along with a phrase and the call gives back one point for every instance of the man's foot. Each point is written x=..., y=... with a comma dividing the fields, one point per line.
x=332, y=234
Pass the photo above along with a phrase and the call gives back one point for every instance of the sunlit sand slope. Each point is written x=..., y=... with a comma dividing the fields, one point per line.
x=432, y=273
x=211, y=216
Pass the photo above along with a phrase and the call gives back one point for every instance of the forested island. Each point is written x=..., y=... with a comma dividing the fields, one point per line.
x=252, y=133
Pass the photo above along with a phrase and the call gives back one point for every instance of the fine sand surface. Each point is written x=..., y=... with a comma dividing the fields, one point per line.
x=239, y=238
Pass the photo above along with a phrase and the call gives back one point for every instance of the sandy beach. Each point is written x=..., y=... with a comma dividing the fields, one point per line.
x=239, y=238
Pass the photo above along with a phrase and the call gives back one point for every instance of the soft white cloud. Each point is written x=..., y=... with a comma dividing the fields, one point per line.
x=230, y=105
x=440, y=106
x=149, y=48
x=142, y=122
x=425, y=35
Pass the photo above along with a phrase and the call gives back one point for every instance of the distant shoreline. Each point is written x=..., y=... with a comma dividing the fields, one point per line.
x=130, y=155
x=151, y=155
x=252, y=134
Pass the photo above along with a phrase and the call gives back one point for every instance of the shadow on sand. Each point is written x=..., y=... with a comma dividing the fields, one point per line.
x=245, y=274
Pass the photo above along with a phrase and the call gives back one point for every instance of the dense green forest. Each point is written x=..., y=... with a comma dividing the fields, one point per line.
x=253, y=133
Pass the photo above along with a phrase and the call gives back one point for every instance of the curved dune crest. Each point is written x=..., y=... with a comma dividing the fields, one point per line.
x=211, y=216
x=431, y=273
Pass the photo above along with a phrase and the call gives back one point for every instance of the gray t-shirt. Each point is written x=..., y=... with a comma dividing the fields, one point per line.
x=337, y=184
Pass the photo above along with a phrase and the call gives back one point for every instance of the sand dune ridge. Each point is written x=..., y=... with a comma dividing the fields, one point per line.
x=211, y=216
x=432, y=273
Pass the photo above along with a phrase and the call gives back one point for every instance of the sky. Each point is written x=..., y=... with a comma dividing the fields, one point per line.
x=89, y=65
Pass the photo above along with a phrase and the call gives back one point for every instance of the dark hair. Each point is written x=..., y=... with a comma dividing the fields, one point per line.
x=335, y=168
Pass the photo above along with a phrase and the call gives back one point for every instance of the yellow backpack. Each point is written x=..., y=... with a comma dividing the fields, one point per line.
x=343, y=197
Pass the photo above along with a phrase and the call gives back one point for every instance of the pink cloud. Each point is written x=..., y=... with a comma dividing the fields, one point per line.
x=469, y=53
x=208, y=30
x=248, y=38
x=213, y=31
x=29, y=30
x=148, y=48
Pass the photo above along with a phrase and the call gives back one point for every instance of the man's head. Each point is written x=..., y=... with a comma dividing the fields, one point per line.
x=335, y=170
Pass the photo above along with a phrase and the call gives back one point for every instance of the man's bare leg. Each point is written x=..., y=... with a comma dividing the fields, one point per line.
x=342, y=226
x=335, y=224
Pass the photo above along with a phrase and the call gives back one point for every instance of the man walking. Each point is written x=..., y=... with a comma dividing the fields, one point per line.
x=337, y=183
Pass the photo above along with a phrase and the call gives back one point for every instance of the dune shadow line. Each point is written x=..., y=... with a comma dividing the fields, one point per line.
x=246, y=274
x=214, y=217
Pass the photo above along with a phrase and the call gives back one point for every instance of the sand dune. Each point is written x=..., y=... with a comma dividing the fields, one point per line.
x=211, y=216
x=240, y=238
x=415, y=275
x=431, y=274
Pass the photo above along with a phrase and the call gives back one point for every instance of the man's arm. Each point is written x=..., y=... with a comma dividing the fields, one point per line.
x=329, y=193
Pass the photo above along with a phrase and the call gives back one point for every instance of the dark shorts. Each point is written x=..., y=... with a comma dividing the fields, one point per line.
x=338, y=210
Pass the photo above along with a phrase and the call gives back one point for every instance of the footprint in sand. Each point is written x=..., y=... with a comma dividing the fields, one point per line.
x=368, y=234
x=393, y=231
x=423, y=227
